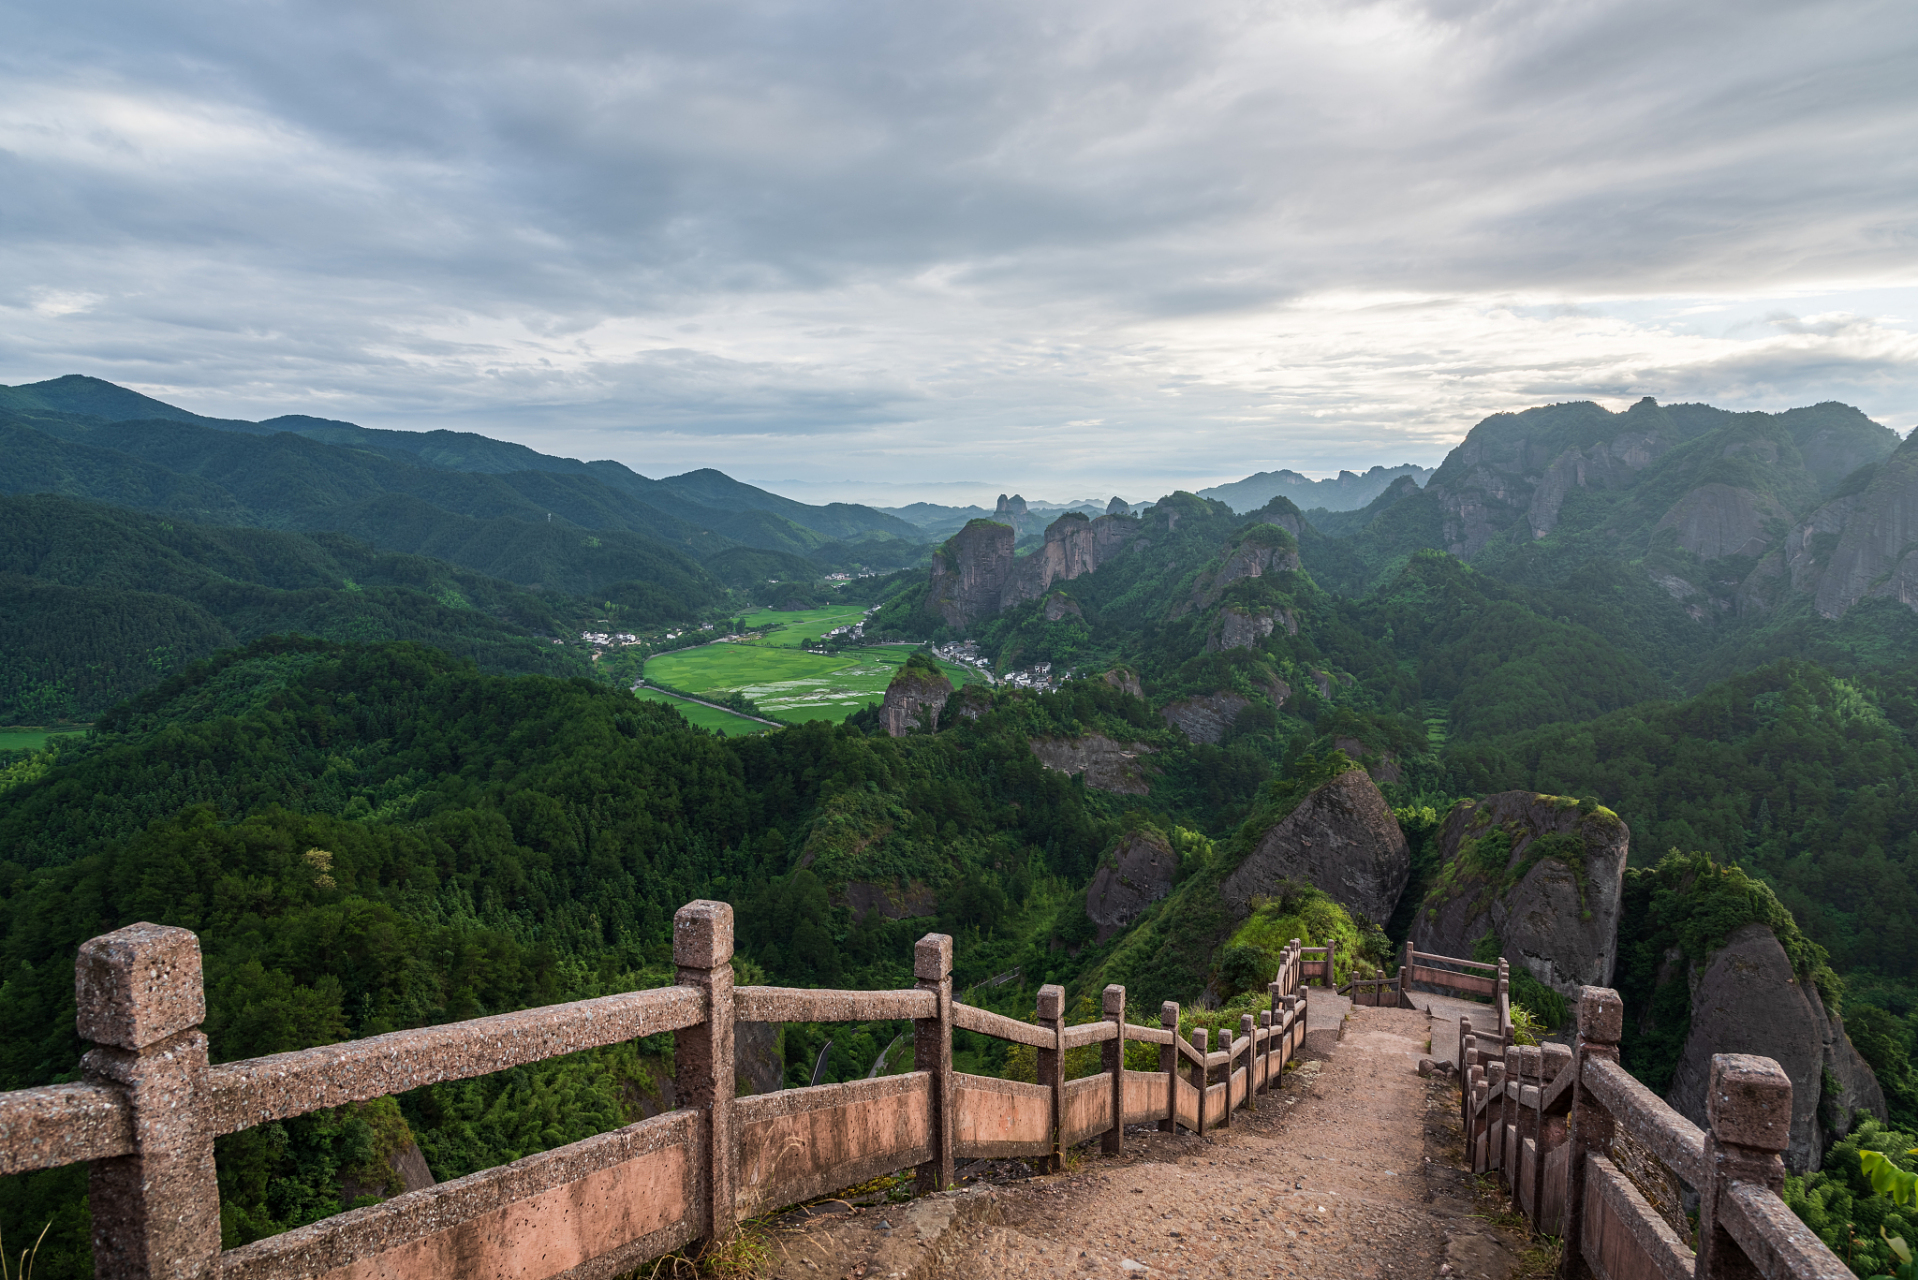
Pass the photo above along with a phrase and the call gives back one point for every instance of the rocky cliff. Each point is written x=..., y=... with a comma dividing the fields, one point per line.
x=975, y=574
x=1107, y=765
x=1206, y=718
x=1136, y=874
x=1253, y=552
x=1876, y=538
x=914, y=698
x=1543, y=874
x=1342, y=838
x=1747, y=999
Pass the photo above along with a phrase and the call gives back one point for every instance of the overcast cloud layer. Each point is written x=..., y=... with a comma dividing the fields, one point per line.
x=874, y=250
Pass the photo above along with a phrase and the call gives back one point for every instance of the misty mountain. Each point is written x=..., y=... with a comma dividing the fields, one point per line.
x=1346, y=491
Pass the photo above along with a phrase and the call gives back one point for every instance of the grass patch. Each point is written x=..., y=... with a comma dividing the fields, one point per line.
x=705, y=717
x=787, y=682
x=790, y=629
x=31, y=739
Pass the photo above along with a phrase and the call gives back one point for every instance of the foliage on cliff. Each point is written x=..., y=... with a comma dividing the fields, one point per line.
x=1838, y=1202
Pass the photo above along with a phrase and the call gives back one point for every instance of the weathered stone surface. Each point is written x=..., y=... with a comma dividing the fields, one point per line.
x=1254, y=552
x=1136, y=874
x=1716, y=520
x=913, y=702
x=1343, y=839
x=138, y=985
x=1107, y=765
x=1125, y=680
x=1118, y=506
x=1746, y=999
x=1012, y=511
x=1060, y=605
x=1558, y=921
x=1873, y=556
x=1205, y=719
x=1237, y=628
x=975, y=574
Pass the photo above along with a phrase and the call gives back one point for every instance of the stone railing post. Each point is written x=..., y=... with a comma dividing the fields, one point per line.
x=703, y=1053
x=1405, y=977
x=1249, y=1031
x=1489, y=1132
x=932, y=1052
x=1052, y=1067
x=1331, y=965
x=1291, y=1030
x=1601, y=1020
x=1225, y=1046
x=1263, y=1045
x=1297, y=949
x=1115, y=1063
x=1550, y=1136
x=1200, y=1075
x=1169, y=1063
x=1749, y=1112
x=156, y=1213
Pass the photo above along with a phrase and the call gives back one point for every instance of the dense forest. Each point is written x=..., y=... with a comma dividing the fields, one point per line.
x=325, y=708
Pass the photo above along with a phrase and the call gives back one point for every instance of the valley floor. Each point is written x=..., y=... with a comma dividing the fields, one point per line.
x=1353, y=1168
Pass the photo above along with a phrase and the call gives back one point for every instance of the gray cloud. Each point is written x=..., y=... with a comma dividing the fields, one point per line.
x=834, y=242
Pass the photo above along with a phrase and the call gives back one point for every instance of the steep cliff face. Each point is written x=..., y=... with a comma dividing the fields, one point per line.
x=1747, y=999
x=1118, y=506
x=975, y=574
x=1716, y=520
x=1119, y=768
x=1543, y=874
x=969, y=572
x=1877, y=535
x=1243, y=628
x=1125, y=680
x=1253, y=552
x=1013, y=511
x=1132, y=877
x=1205, y=719
x=1343, y=839
x=914, y=699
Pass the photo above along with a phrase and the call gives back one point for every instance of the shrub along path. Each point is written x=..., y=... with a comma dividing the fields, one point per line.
x=1351, y=1169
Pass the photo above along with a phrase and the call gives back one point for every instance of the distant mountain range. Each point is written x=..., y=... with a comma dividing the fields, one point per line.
x=1347, y=491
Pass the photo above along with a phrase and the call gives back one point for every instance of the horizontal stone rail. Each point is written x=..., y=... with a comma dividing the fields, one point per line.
x=1488, y=965
x=62, y=1124
x=150, y=1105
x=806, y=1004
x=1550, y=1122
x=240, y=1095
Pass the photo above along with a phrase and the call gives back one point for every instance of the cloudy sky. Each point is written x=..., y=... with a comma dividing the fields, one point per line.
x=882, y=251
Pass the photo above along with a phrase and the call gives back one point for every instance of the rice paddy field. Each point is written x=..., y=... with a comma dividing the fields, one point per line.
x=784, y=680
x=705, y=717
x=31, y=739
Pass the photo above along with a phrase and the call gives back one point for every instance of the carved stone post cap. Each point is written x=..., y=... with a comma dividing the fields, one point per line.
x=1601, y=1015
x=1169, y=1014
x=1529, y=1058
x=1052, y=1001
x=1265, y=1017
x=1750, y=1102
x=932, y=956
x=703, y=935
x=1246, y=1023
x=1199, y=1038
x=138, y=985
x=1114, y=1000
x=1295, y=944
x=1552, y=1059
x=1511, y=1060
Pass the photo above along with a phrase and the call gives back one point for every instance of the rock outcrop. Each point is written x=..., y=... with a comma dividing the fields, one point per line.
x=1012, y=511
x=1343, y=838
x=1386, y=770
x=1877, y=544
x=1237, y=628
x=975, y=574
x=1060, y=605
x=1118, y=506
x=1544, y=874
x=891, y=901
x=1205, y=719
x=1125, y=680
x=758, y=1065
x=1253, y=552
x=1132, y=877
x=914, y=699
x=1747, y=999
x=1107, y=765
x=1717, y=520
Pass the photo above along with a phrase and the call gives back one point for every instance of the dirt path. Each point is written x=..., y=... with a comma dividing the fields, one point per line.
x=1349, y=1170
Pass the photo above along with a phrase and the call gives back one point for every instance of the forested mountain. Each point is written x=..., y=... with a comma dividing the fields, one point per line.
x=1674, y=622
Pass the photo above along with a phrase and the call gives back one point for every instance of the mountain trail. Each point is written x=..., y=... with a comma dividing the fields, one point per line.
x=1352, y=1168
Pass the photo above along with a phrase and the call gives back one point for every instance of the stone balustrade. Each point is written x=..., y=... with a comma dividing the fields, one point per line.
x=150, y=1105
x=1564, y=1130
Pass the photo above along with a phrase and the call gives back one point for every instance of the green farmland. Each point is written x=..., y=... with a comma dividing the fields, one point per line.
x=705, y=717
x=795, y=628
x=32, y=739
x=786, y=682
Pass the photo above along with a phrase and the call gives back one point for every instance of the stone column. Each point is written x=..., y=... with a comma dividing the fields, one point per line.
x=1601, y=1019
x=1052, y=1067
x=1262, y=1046
x=1225, y=1046
x=1169, y=1063
x=1199, y=1074
x=1749, y=1114
x=932, y=1052
x=1291, y=1031
x=1115, y=1064
x=1490, y=1135
x=1552, y=1059
x=156, y=1213
x=1331, y=967
x=703, y=1053
x=1405, y=977
x=1248, y=1031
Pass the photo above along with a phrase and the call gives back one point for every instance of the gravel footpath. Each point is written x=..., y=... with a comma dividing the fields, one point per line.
x=1350, y=1169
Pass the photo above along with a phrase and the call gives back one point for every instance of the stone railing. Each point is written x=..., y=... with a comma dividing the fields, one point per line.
x=151, y=1104
x=1592, y=1156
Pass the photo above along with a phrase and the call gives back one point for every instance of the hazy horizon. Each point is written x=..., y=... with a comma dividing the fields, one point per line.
x=853, y=248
